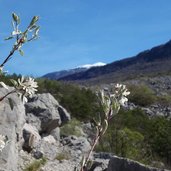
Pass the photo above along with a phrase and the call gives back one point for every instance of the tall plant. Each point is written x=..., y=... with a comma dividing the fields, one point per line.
x=24, y=87
x=110, y=100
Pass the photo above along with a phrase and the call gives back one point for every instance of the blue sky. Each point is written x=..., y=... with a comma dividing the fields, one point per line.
x=78, y=32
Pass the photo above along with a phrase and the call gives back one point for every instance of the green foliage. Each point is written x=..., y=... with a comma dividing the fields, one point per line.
x=79, y=101
x=160, y=138
x=63, y=156
x=164, y=100
x=141, y=95
x=6, y=78
x=129, y=143
x=134, y=135
x=71, y=128
x=35, y=165
x=124, y=136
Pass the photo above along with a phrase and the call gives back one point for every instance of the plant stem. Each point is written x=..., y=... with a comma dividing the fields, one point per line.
x=96, y=139
x=11, y=53
x=99, y=134
x=2, y=98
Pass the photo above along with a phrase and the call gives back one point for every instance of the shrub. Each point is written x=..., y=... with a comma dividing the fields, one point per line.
x=141, y=95
x=79, y=101
x=160, y=138
x=35, y=165
x=164, y=100
x=63, y=156
x=71, y=128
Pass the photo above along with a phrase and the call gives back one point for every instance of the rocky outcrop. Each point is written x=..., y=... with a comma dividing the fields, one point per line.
x=28, y=128
x=45, y=113
x=11, y=124
x=152, y=110
x=122, y=164
x=33, y=132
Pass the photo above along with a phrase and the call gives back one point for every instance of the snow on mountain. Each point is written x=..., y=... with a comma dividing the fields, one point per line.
x=59, y=74
x=92, y=65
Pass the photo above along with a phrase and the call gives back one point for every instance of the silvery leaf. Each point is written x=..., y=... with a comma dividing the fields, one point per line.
x=4, y=85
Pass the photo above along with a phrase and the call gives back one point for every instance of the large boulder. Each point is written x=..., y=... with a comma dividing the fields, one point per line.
x=48, y=146
x=123, y=164
x=12, y=120
x=44, y=112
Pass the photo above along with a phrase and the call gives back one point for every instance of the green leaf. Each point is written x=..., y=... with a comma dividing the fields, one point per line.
x=89, y=164
x=4, y=85
x=8, y=38
x=32, y=27
x=37, y=30
x=33, y=21
x=15, y=83
x=75, y=169
x=21, y=52
x=11, y=103
x=82, y=162
x=16, y=18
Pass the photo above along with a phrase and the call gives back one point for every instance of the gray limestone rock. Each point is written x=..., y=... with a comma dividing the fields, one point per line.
x=31, y=137
x=64, y=115
x=48, y=146
x=77, y=143
x=46, y=111
x=122, y=164
x=45, y=108
x=11, y=123
x=56, y=133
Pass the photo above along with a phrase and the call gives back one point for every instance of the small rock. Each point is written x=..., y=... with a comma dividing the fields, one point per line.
x=64, y=115
x=56, y=133
x=31, y=137
x=37, y=154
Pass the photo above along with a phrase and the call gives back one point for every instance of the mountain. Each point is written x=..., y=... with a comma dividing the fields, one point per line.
x=59, y=74
x=150, y=62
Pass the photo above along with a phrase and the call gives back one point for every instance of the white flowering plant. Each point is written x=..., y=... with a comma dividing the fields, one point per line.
x=111, y=100
x=24, y=87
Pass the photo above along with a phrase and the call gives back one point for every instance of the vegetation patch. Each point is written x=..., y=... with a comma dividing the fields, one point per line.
x=141, y=95
x=81, y=102
x=63, y=156
x=35, y=165
x=164, y=100
x=71, y=128
x=133, y=135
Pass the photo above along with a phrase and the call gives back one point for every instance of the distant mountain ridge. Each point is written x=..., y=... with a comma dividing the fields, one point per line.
x=63, y=73
x=154, y=61
x=59, y=74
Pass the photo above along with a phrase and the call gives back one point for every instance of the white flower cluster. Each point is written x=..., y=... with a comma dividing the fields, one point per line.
x=111, y=100
x=120, y=93
x=25, y=87
x=2, y=142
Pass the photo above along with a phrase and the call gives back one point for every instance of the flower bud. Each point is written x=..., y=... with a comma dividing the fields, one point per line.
x=34, y=20
x=16, y=18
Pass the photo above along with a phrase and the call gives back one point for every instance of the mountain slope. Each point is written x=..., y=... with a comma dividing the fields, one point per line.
x=59, y=74
x=154, y=61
